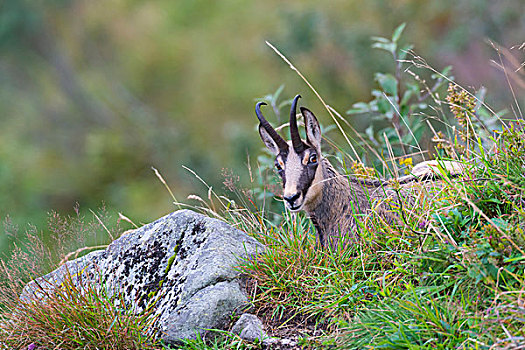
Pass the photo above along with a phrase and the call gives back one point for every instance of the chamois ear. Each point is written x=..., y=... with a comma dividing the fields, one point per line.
x=313, y=130
x=268, y=141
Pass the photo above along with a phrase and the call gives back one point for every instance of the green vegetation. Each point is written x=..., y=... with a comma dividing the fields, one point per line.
x=449, y=276
x=224, y=341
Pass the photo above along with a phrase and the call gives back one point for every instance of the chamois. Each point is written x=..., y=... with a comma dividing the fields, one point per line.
x=311, y=183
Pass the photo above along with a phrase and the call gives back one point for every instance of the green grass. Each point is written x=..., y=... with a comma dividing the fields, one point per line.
x=412, y=322
x=437, y=281
x=219, y=341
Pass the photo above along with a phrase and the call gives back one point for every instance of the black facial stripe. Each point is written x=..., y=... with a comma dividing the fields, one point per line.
x=307, y=177
x=284, y=156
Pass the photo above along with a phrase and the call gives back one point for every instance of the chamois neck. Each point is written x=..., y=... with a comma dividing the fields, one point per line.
x=333, y=211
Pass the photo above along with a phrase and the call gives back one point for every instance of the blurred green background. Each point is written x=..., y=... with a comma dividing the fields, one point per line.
x=94, y=93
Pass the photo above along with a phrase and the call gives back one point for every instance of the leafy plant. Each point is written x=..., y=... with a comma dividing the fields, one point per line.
x=399, y=103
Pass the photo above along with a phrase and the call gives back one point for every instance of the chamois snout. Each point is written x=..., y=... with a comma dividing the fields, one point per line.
x=298, y=174
x=294, y=201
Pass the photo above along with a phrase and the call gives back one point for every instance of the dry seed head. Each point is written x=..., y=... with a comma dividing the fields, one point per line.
x=462, y=105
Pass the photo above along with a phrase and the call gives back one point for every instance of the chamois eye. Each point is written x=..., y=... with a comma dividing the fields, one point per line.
x=313, y=158
x=278, y=166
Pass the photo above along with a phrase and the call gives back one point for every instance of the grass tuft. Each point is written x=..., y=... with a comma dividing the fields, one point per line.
x=77, y=315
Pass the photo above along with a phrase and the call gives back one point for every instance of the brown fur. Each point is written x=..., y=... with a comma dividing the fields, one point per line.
x=340, y=201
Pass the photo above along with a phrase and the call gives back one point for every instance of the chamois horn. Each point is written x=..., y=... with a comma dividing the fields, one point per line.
x=297, y=143
x=271, y=131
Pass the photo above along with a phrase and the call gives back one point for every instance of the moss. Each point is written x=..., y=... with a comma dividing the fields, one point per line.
x=172, y=259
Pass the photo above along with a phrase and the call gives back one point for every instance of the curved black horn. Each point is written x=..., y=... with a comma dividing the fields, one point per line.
x=271, y=131
x=294, y=131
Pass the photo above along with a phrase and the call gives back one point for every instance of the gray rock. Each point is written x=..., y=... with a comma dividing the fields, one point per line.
x=183, y=264
x=249, y=327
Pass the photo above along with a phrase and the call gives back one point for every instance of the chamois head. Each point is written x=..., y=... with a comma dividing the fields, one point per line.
x=296, y=161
